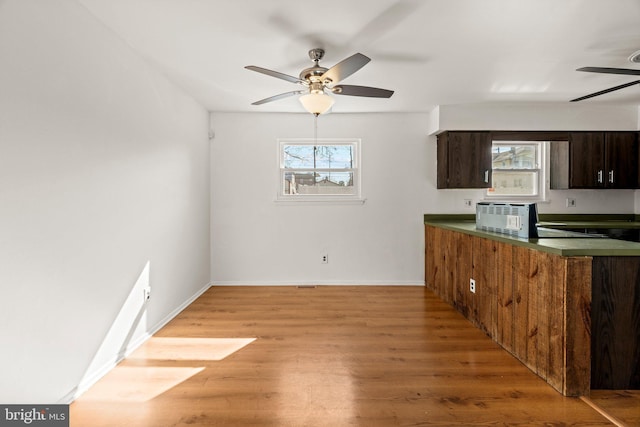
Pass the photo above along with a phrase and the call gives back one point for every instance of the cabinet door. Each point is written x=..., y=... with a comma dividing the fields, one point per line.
x=468, y=160
x=486, y=264
x=586, y=160
x=442, y=160
x=448, y=265
x=615, y=340
x=622, y=160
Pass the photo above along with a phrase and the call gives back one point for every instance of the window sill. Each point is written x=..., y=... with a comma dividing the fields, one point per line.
x=318, y=200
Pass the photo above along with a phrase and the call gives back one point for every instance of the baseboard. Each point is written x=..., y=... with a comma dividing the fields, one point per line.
x=180, y=308
x=319, y=283
x=93, y=377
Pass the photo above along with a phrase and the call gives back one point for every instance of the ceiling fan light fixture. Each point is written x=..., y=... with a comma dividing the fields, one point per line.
x=317, y=80
x=317, y=103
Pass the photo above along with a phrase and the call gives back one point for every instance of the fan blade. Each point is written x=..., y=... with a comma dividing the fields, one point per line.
x=604, y=70
x=276, y=97
x=275, y=74
x=345, y=68
x=389, y=19
x=602, y=92
x=373, y=92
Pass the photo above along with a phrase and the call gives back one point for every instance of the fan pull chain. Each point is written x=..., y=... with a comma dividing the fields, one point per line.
x=315, y=129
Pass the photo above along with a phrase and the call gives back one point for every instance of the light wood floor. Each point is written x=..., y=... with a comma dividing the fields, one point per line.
x=326, y=356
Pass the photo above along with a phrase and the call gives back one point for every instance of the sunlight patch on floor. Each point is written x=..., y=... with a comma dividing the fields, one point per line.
x=138, y=384
x=171, y=348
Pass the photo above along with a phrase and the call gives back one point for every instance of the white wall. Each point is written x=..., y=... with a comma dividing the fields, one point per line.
x=258, y=241
x=563, y=116
x=104, y=188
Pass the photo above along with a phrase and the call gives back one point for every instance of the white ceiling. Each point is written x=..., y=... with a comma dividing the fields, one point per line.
x=431, y=52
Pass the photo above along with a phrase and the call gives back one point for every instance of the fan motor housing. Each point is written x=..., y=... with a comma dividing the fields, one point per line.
x=313, y=73
x=316, y=54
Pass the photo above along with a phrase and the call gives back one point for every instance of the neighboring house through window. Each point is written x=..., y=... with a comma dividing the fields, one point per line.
x=517, y=169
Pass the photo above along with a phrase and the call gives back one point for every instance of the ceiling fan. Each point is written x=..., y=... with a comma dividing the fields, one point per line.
x=605, y=70
x=317, y=81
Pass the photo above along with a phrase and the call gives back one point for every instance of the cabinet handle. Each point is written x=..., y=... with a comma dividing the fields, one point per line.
x=600, y=177
x=611, y=176
x=486, y=176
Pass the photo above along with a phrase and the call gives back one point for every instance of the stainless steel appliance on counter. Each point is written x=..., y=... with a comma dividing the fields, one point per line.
x=521, y=220
x=514, y=219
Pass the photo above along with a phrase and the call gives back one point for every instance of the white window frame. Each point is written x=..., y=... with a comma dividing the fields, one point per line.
x=323, y=198
x=542, y=170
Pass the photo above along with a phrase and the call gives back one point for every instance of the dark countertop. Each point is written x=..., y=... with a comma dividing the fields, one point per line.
x=600, y=224
x=564, y=244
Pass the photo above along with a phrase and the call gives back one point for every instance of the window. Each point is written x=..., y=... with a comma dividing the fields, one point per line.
x=517, y=169
x=319, y=170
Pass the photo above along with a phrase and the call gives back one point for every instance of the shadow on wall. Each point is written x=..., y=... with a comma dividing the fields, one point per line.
x=128, y=331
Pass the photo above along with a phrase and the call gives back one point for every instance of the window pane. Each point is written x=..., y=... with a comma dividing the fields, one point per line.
x=514, y=183
x=298, y=156
x=320, y=156
x=334, y=156
x=327, y=183
x=514, y=157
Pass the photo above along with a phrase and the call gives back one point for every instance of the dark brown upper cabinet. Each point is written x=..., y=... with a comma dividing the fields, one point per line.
x=464, y=160
x=603, y=160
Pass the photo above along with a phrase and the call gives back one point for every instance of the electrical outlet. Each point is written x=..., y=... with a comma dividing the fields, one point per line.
x=324, y=259
x=147, y=294
x=468, y=202
x=472, y=286
x=571, y=203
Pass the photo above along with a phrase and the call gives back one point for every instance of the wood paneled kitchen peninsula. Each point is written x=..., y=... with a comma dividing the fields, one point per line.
x=566, y=307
